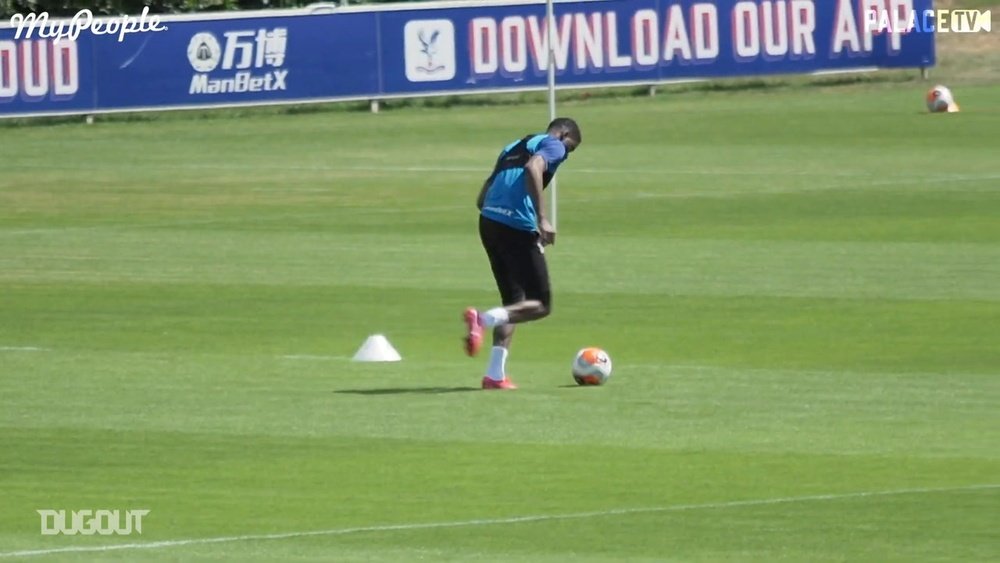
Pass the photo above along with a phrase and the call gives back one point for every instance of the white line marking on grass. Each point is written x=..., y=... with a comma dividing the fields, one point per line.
x=306, y=357
x=471, y=169
x=367, y=209
x=479, y=169
x=493, y=521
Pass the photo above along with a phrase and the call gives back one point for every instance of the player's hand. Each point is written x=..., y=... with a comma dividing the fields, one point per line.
x=546, y=232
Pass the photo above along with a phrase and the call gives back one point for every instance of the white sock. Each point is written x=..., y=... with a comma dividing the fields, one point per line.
x=497, y=316
x=498, y=363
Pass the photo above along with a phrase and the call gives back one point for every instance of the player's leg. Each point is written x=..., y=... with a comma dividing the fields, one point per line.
x=498, y=245
x=524, y=263
x=521, y=312
x=511, y=293
x=524, y=267
x=533, y=301
x=496, y=365
x=521, y=273
x=532, y=275
x=503, y=335
x=494, y=237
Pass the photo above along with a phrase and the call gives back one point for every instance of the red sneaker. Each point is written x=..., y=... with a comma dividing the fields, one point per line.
x=474, y=337
x=504, y=383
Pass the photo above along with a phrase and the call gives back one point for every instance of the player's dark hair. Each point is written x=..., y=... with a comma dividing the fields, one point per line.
x=568, y=125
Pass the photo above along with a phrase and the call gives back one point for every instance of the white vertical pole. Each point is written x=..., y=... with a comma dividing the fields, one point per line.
x=551, y=19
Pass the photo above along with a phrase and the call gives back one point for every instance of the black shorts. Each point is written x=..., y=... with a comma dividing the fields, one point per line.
x=517, y=261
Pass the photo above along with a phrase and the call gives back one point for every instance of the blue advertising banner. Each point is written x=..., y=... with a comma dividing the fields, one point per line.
x=237, y=60
x=643, y=41
x=443, y=48
x=202, y=63
x=38, y=75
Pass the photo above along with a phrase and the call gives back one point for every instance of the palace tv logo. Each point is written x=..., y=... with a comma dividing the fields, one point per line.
x=429, y=47
x=880, y=20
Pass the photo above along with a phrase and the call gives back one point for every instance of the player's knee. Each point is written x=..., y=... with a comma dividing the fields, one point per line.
x=546, y=307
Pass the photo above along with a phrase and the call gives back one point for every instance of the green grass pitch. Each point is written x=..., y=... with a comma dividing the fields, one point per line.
x=800, y=289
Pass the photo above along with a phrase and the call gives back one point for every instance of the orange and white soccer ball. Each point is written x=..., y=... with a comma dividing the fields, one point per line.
x=940, y=99
x=591, y=366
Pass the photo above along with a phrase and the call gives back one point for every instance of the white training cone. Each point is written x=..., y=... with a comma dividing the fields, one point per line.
x=376, y=349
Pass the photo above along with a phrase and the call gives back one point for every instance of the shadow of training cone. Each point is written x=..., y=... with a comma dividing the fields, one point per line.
x=376, y=348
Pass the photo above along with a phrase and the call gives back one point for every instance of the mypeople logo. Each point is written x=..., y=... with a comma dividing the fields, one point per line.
x=90, y=522
x=84, y=19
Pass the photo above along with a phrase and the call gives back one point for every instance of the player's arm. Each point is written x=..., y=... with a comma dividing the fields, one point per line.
x=534, y=170
x=482, y=193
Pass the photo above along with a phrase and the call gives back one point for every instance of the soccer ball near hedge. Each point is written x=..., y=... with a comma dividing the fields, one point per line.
x=592, y=366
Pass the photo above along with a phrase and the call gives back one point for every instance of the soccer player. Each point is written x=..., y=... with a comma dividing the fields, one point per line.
x=514, y=229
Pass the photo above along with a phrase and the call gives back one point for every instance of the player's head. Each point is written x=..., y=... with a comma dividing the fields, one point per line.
x=567, y=131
